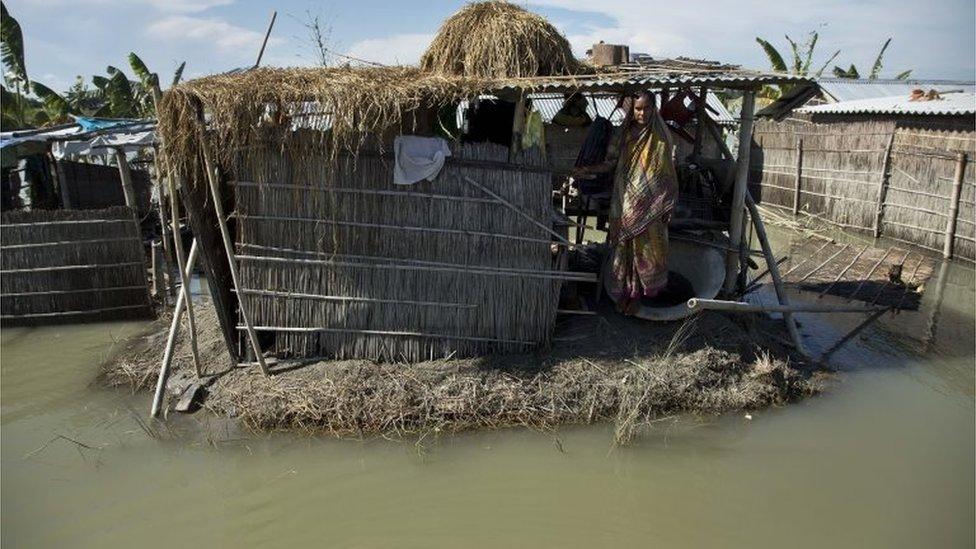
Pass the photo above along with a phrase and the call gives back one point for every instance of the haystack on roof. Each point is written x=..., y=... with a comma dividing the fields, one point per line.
x=496, y=39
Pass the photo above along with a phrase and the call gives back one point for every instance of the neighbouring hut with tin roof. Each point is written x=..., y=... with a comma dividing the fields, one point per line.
x=883, y=158
x=312, y=250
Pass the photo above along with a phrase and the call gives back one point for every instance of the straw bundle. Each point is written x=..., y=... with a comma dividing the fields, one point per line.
x=72, y=265
x=499, y=40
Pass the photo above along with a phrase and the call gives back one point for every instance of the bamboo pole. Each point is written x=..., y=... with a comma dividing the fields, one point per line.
x=309, y=329
x=799, y=171
x=74, y=313
x=822, y=265
x=158, y=282
x=68, y=243
x=515, y=209
x=841, y=274
x=69, y=292
x=740, y=190
x=264, y=43
x=74, y=267
x=883, y=186
x=125, y=175
x=181, y=264
x=698, y=304
x=950, y=232
x=398, y=227
x=228, y=244
x=58, y=174
x=774, y=273
x=183, y=298
x=164, y=226
x=343, y=299
x=66, y=222
x=553, y=275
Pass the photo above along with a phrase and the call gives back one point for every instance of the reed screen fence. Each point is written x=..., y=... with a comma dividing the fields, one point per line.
x=910, y=185
x=337, y=261
x=72, y=266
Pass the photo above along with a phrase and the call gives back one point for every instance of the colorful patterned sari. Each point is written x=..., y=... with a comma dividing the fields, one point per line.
x=645, y=190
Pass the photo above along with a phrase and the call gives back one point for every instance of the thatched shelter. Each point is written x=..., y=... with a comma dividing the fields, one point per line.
x=320, y=255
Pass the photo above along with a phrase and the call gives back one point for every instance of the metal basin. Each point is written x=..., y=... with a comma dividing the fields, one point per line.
x=701, y=264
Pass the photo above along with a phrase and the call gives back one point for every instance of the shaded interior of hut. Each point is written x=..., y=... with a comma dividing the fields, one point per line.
x=574, y=130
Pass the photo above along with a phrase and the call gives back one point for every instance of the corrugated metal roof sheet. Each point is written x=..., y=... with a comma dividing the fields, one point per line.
x=846, y=89
x=950, y=104
x=548, y=104
x=640, y=80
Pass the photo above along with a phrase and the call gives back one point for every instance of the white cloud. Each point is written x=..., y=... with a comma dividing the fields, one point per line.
x=177, y=6
x=398, y=49
x=187, y=6
x=224, y=36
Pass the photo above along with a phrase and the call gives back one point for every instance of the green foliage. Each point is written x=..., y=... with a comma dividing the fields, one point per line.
x=12, y=46
x=846, y=73
x=178, y=75
x=775, y=59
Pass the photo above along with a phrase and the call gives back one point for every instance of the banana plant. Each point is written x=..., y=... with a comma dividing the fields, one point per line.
x=853, y=73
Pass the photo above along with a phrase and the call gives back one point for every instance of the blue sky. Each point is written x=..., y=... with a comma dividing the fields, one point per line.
x=65, y=38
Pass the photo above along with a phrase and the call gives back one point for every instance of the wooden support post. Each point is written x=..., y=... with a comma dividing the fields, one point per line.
x=158, y=281
x=164, y=226
x=171, y=340
x=799, y=175
x=126, y=176
x=950, y=232
x=130, y=200
x=184, y=275
x=883, y=185
x=62, y=181
x=211, y=170
x=774, y=273
x=699, y=121
x=739, y=191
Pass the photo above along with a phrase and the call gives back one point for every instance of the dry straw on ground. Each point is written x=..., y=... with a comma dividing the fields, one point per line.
x=607, y=369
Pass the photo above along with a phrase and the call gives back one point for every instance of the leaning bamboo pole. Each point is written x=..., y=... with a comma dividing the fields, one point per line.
x=698, y=304
x=774, y=273
x=183, y=299
x=182, y=265
x=211, y=170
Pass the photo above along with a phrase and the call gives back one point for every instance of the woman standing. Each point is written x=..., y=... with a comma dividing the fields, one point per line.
x=645, y=190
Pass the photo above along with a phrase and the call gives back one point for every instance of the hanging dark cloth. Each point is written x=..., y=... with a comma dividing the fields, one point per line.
x=490, y=120
x=594, y=151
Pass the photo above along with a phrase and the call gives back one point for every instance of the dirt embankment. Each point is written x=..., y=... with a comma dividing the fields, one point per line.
x=600, y=368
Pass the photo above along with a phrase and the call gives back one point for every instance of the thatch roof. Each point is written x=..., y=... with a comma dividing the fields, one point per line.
x=496, y=39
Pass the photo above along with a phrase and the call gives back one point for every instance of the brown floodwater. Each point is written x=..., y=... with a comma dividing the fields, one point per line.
x=885, y=458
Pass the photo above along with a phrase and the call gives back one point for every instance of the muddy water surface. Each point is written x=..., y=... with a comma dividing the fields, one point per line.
x=884, y=459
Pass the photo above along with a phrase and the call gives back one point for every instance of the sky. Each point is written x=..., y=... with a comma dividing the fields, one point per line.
x=65, y=38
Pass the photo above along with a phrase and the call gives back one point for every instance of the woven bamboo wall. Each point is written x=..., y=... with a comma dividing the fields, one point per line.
x=393, y=272
x=71, y=266
x=844, y=172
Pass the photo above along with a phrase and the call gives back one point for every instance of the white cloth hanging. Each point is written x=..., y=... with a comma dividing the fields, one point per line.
x=417, y=158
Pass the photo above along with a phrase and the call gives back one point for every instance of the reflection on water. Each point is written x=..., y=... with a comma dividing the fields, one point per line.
x=884, y=459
